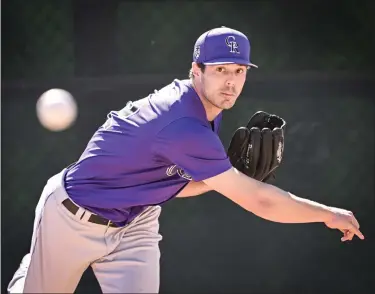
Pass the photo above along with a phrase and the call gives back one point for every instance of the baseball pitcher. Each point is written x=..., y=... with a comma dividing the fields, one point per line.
x=102, y=211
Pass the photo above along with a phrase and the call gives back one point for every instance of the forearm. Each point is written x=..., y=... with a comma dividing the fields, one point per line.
x=193, y=189
x=283, y=207
x=267, y=201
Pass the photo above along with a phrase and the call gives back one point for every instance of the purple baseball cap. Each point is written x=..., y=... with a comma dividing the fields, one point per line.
x=222, y=46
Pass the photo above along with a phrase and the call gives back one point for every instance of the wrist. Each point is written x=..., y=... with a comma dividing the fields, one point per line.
x=321, y=213
x=327, y=214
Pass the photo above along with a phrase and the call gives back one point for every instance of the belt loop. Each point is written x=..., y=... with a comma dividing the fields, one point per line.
x=129, y=104
x=80, y=213
x=85, y=216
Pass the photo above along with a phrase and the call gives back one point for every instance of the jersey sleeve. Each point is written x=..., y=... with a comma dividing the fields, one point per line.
x=193, y=147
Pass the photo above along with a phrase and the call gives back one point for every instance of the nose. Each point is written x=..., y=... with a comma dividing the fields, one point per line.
x=230, y=82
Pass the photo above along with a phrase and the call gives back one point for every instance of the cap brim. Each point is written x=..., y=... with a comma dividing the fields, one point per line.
x=230, y=61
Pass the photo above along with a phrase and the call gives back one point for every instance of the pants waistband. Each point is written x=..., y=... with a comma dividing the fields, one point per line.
x=71, y=206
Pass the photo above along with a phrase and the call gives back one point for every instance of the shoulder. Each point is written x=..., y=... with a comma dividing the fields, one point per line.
x=188, y=134
x=186, y=126
x=178, y=99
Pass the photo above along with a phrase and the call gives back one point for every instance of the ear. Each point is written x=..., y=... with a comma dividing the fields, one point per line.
x=195, y=68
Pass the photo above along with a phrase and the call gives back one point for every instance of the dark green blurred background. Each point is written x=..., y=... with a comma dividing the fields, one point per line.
x=316, y=62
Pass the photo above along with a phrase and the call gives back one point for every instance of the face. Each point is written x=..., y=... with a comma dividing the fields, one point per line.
x=222, y=84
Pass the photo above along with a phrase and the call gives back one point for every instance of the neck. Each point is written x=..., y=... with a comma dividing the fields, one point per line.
x=211, y=110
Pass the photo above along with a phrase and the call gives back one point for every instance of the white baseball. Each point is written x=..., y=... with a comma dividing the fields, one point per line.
x=56, y=110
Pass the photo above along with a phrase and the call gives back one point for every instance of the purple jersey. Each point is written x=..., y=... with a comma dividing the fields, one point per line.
x=147, y=157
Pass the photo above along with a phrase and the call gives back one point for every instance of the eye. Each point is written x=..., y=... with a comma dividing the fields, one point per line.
x=220, y=69
x=240, y=70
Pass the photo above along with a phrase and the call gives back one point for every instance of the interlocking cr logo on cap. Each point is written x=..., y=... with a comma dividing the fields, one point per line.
x=232, y=44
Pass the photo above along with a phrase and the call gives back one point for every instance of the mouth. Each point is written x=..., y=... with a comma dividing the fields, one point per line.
x=226, y=94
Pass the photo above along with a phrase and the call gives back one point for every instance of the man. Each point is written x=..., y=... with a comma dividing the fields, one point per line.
x=102, y=211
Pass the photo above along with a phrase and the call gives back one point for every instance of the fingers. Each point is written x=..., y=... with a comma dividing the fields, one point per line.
x=352, y=230
x=350, y=233
x=354, y=221
x=357, y=232
x=355, y=227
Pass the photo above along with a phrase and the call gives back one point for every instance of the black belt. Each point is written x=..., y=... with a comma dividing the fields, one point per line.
x=96, y=219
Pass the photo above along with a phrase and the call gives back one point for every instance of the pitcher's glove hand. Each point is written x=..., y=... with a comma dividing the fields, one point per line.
x=257, y=149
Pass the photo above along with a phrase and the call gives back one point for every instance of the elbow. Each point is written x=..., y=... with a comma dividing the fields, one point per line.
x=263, y=207
x=261, y=204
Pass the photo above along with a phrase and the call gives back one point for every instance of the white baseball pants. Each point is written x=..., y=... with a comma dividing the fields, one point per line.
x=124, y=260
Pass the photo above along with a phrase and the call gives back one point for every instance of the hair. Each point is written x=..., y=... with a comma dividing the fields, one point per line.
x=202, y=68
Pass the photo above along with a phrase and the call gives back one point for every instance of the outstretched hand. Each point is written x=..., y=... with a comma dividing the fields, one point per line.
x=344, y=221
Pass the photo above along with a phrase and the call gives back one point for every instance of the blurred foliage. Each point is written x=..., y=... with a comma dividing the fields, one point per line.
x=37, y=39
x=329, y=149
x=158, y=36
x=328, y=158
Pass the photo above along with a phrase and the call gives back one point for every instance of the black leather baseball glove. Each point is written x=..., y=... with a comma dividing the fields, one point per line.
x=257, y=149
